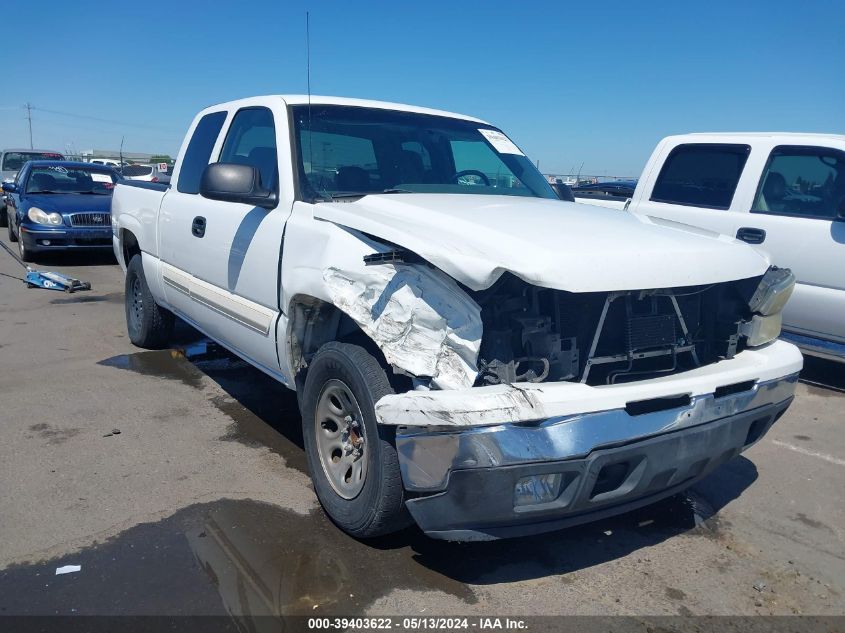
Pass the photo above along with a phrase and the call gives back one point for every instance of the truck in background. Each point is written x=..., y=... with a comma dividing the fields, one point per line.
x=782, y=193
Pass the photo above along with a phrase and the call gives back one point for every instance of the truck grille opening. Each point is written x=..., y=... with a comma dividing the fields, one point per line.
x=534, y=334
x=610, y=478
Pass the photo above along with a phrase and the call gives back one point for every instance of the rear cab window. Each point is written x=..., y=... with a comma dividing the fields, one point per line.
x=199, y=151
x=701, y=175
x=802, y=181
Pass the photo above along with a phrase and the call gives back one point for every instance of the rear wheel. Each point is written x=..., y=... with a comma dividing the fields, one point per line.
x=4, y=216
x=352, y=459
x=149, y=325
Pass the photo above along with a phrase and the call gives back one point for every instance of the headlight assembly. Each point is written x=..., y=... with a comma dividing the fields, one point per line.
x=42, y=217
x=773, y=292
x=767, y=305
x=761, y=329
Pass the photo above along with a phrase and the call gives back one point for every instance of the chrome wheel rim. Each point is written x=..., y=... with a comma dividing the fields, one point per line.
x=339, y=434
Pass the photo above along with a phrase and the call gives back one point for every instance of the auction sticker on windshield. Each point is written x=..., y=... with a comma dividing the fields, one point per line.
x=100, y=177
x=500, y=142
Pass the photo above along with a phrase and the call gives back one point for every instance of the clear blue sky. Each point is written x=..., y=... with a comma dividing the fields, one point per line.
x=598, y=83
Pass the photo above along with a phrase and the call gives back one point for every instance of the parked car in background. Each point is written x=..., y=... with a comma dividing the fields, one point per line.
x=106, y=161
x=782, y=193
x=147, y=173
x=469, y=351
x=164, y=177
x=611, y=189
x=11, y=160
x=60, y=205
x=563, y=191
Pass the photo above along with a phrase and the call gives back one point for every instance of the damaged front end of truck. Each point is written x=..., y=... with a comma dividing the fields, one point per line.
x=531, y=407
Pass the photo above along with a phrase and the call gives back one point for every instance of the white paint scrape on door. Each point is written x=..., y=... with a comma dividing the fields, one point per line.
x=421, y=319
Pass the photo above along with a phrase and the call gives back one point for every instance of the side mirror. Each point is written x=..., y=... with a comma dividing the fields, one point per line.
x=10, y=187
x=231, y=182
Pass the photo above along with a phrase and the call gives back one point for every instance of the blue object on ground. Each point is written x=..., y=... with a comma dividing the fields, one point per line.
x=54, y=281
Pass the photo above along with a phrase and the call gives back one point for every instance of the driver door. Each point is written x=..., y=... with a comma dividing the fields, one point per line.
x=233, y=249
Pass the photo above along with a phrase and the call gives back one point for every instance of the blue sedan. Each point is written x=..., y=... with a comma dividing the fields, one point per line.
x=60, y=205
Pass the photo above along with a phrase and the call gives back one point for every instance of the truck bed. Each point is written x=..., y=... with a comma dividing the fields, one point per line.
x=143, y=184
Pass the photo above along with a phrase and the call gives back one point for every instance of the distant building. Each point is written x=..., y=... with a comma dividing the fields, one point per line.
x=135, y=157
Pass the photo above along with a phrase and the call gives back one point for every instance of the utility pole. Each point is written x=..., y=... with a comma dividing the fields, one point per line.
x=29, y=118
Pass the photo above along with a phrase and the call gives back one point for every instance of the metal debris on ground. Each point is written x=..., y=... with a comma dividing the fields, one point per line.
x=68, y=569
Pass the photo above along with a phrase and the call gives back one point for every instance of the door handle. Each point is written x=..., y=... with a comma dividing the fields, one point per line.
x=751, y=235
x=198, y=226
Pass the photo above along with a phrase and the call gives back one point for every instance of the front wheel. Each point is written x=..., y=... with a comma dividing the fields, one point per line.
x=351, y=458
x=25, y=254
x=4, y=216
x=149, y=325
x=12, y=236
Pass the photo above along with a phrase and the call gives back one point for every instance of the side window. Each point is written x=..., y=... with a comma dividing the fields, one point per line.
x=802, y=181
x=251, y=140
x=199, y=151
x=701, y=175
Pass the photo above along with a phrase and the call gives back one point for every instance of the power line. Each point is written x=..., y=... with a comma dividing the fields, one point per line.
x=98, y=119
x=29, y=118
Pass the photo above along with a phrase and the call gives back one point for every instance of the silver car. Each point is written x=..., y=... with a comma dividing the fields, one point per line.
x=11, y=161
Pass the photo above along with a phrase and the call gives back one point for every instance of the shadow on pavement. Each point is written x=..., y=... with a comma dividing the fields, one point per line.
x=262, y=559
x=820, y=372
x=74, y=258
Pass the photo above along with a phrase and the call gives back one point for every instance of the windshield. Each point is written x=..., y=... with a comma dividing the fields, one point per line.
x=13, y=161
x=60, y=179
x=345, y=151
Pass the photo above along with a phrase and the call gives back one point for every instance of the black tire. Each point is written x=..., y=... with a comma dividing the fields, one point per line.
x=12, y=236
x=148, y=324
x=4, y=216
x=379, y=507
x=24, y=253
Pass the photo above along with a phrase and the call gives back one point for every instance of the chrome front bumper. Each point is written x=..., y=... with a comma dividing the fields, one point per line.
x=463, y=478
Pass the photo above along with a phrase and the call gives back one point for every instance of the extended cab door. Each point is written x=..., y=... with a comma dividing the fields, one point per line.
x=696, y=184
x=796, y=214
x=230, y=252
x=181, y=203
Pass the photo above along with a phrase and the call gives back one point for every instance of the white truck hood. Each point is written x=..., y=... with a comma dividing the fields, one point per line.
x=548, y=243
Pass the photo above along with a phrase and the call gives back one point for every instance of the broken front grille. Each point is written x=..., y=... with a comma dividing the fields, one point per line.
x=536, y=334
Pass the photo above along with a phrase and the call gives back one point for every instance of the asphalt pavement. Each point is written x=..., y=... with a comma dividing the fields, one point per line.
x=176, y=480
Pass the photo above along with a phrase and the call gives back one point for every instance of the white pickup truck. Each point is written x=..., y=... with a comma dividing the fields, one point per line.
x=468, y=351
x=783, y=193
